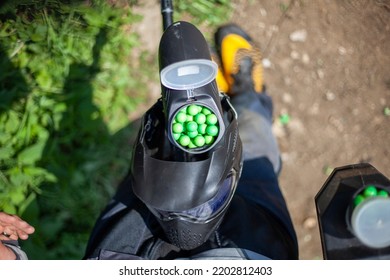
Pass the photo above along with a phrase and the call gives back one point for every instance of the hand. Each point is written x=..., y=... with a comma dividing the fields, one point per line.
x=12, y=227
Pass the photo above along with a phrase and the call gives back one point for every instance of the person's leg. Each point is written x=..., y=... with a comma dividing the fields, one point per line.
x=258, y=185
x=255, y=127
x=241, y=66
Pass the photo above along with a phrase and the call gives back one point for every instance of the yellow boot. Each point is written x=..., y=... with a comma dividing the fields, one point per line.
x=240, y=60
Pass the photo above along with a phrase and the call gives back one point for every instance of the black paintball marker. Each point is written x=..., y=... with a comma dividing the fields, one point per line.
x=188, y=140
x=192, y=103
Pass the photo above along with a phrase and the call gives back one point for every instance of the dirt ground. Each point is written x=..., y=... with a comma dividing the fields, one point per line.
x=327, y=66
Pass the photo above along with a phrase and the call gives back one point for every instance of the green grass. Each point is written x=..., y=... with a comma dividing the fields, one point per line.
x=209, y=12
x=68, y=83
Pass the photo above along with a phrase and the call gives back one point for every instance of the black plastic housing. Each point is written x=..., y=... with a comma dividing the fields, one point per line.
x=333, y=204
x=180, y=42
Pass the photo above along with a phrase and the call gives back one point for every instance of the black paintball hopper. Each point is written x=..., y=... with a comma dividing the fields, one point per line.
x=334, y=207
x=187, y=76
x=171, y=178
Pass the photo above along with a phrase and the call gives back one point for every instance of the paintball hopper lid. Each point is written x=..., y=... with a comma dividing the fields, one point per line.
x=184, y=58
x=371, y=222
x=189, y=74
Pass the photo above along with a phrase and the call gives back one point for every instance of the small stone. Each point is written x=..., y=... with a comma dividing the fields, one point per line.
x=274, y=28
x=305, y=58
x=342, y=50
x=330, y=96
x=294, y=55
x=287, y=98
x=310, y=223
x=266, y=63
x=298, y=35
x=278, y=130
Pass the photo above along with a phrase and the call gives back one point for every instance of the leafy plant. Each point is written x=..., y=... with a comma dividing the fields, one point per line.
x=209, y=12
x=68, y=82
x=66, y=88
